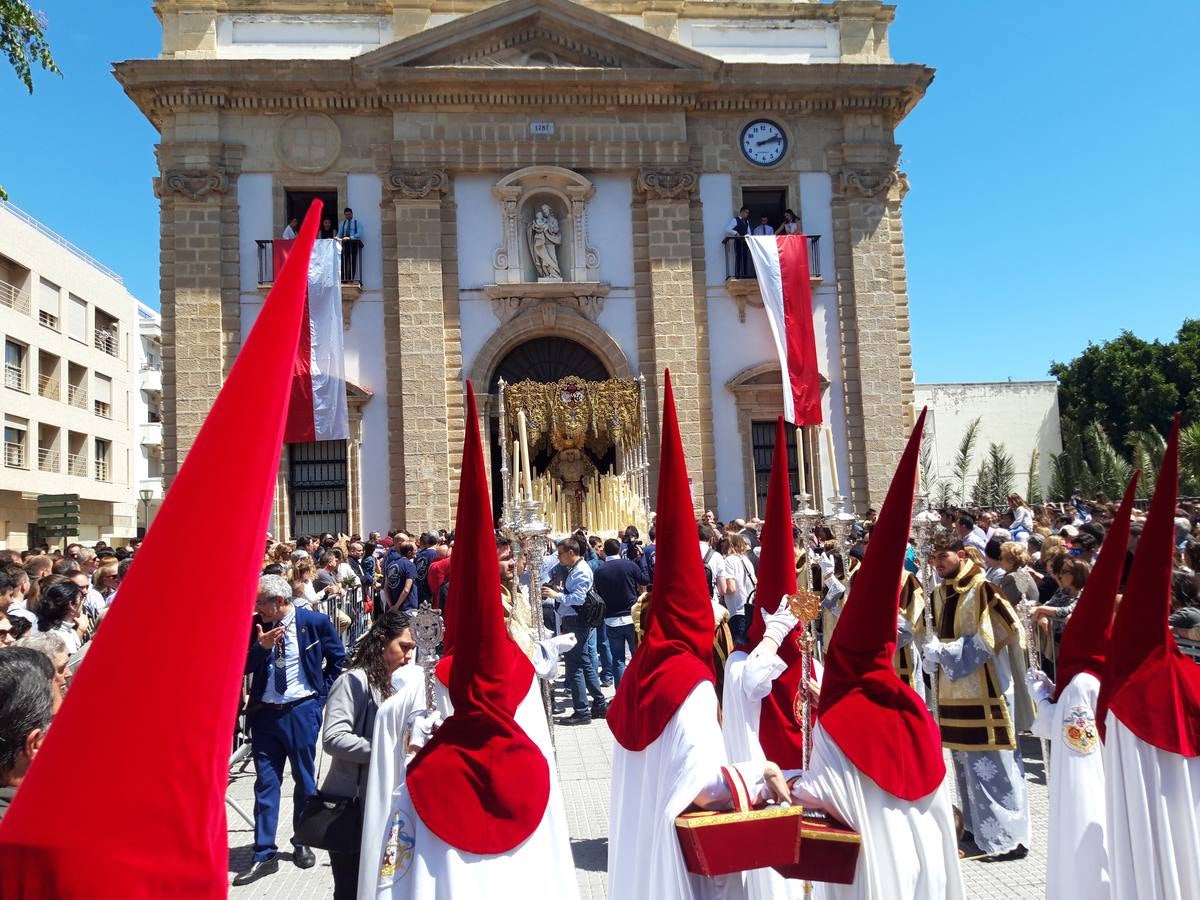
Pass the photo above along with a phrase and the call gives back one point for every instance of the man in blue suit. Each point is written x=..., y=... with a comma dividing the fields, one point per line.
x=294, y=657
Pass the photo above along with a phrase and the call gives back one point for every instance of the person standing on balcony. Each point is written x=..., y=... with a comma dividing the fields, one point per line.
x=763, y=228
x=737, y=230
x=350, y=234
x=790, y=224
x=289, y=232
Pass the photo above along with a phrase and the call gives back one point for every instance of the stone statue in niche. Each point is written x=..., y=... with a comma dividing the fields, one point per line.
x=544, y=236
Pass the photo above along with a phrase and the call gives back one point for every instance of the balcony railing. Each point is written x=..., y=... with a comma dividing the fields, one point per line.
x=14, y=455
x=739, y=264
x=14, y=377
x=77, y=464
x=48, y=319
x=14, y=298
x=48, y=386
x=107, y=341
x=47, y=459
x=77, y=396
x=102, y=472
x=351, y=261
x=103, y=410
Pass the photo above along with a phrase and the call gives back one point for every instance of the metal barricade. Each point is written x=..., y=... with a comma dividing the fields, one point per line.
x=348, y=612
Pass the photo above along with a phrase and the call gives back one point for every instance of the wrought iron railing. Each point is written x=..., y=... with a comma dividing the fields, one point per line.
x=352, y=257
x=107, y=341
x=47, y=459
x=738, y=263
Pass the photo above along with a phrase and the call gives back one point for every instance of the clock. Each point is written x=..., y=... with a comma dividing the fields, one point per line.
x=763, y=142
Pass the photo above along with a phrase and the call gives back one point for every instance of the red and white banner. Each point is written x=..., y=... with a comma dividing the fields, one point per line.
x=781, y=263
x=317, y=411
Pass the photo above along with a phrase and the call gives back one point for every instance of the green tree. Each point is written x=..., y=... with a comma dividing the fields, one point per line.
x=961, y=469
x=996, y=477
x=23, y=41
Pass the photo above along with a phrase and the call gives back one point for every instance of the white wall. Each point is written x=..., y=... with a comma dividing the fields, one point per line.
x=480, y=229
x=1021, y=415
x=716, y=196
x=255, y=223
x=766, y=40
x=275, y=36
x=609, y=228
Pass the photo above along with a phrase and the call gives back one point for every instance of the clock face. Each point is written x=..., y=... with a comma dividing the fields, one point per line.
x=763, y=142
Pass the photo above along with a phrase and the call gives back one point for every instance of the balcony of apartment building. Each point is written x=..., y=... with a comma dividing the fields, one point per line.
x=16, y=446
x=150, y=376
x=77, y=385
x=150, y=431
x=12, y=294
x=77, y=454
x=16, y=366
x=49, y=375
x=106, y=335
x=49, y=454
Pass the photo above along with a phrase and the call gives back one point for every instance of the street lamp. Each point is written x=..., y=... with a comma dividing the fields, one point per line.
x=145, y=495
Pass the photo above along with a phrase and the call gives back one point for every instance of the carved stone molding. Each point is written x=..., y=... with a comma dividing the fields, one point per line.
x=512, y=300
x=308, y=142
x=566, y=194
x=745, y=293
x=193, y=184
x=870, y=181
x=667, y=184
x=417, y=184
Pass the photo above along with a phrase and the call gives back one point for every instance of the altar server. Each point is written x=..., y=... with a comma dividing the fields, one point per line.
x=877, y=756
x=478, y=813
x=1076, y=861
x=668, y=753
x=1149, y=717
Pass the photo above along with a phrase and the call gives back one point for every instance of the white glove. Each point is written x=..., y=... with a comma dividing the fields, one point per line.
x=421, y=727
x=562, y=643
x=930, y=655
x=1039, y=684
x=825, y=561
x=780, y=624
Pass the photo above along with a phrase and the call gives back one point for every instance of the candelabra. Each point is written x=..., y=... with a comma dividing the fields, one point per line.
x=841, y=523
x=533, y=540
x=506, y=491
x=924, y=526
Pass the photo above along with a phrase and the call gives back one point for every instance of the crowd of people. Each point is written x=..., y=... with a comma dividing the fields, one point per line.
x=332, y=643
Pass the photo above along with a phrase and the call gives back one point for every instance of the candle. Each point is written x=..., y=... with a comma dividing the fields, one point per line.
x=833, y=469
x=525, y=469
x=801, y=461
x=516, y=454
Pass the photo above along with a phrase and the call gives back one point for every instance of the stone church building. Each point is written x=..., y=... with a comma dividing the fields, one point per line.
x=448, y=126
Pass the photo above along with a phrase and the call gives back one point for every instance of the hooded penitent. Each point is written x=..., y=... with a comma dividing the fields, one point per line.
x=881, y=724
x=1085, y=639
x=1147, y=682
x=480, y=784
x=676, y=653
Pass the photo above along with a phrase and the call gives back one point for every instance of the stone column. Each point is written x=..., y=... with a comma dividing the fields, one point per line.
x=192, y=189
x=414, y=326
x=676, y=342
x=873, y=313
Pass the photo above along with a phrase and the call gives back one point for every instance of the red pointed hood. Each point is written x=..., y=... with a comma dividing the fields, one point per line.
x=159, y=830
x=676, y=653
x=1085, y=639
x=1148, y=683
x=880, y=724
x=481, y=784
x=779, y=732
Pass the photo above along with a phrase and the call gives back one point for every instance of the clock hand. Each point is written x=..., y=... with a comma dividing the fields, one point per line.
x=770, y=140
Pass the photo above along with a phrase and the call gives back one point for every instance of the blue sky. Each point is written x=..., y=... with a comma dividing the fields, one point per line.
x=1051, y=164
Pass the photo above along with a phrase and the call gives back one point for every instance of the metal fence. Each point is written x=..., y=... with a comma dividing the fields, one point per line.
x=349, y=615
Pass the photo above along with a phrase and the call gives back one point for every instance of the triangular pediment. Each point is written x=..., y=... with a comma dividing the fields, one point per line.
x=537, y=34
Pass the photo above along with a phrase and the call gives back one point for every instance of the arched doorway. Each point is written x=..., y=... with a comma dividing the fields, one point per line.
x=543, y=359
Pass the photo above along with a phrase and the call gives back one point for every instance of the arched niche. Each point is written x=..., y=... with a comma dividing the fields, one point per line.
x=522, y=194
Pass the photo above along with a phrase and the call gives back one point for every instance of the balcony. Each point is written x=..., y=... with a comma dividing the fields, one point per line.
x=48, y=319
x=77, y=396
x=48, y=387
x=742, y=283
x=102, y=471
x=150, y=379
x=107, y=341
x=103, y=410
x=77, y=464
x=13, y=298
x=151, y=434
x=47, y=459
x=352, y=265
x=14, y=455
x=14, y=377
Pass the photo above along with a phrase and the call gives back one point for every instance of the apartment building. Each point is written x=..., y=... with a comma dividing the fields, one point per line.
x=147, y=403
x=69, y=328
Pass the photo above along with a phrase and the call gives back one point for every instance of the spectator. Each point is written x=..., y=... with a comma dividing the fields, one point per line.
x=400, y=578
x=714, y=563
x=350, y=723
x=6, y=635
x=350, y=234
x=790, y=224
x=1071, y=575
x=54, y=648
x=327, y=231
x=648, y=553
x=1022, y=523
x=58, y=612
x=362, y=565
x=763, y=228
x=618, y=581
x=736, y=231
x=26, y=706
x=993, y=571
x=581, y=674
x=969, y=533
x=291, y=229
x=304, y=571
x=439, y=572
x=1017, y=584
x=105, y=582
x=422, y=561
x=740, y=582
x=294, y=656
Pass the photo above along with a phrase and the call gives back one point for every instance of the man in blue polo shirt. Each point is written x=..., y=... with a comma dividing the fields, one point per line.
x=424, y=559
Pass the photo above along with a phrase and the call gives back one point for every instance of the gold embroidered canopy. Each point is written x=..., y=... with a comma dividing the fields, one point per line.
x=574, y=413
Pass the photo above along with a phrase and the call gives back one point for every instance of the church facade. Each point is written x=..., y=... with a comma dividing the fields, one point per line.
x=542, y=189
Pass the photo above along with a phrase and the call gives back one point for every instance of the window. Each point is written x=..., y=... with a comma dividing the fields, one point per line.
x=318, y=487
x=49, y=304
x=103, y=401
x=77, y=319
x=14, y=447
x=103, y=468
x=107, y=333
x=14, y=365
x=762, y=442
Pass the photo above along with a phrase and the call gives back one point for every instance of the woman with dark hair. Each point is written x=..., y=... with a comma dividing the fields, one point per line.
x=350, y=721
x=60, y=605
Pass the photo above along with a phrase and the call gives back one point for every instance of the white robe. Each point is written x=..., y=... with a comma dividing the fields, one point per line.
x=1153, y=818
x=650, y=788
x=1076, y=862
x=909, y=849
x=748, y=680
x=434, y=870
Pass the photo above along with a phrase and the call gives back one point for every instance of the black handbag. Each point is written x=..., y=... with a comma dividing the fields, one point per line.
x=335, y=823
x=592, y=610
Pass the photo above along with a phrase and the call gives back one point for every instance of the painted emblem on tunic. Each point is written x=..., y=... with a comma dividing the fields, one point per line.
x=398, y=851
x=1079, y=730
